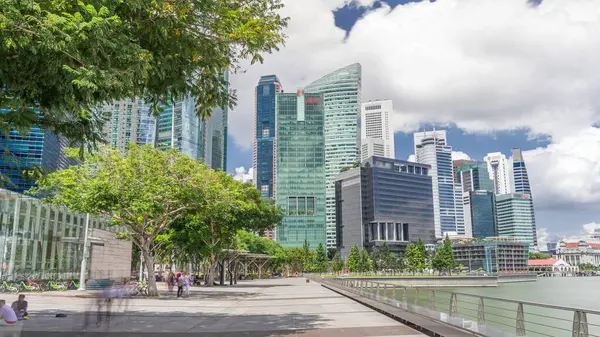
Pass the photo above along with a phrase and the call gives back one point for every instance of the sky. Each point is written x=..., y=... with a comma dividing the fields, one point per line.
x=495, y=74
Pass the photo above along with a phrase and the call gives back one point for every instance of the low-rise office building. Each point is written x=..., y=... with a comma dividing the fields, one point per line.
x=384, y=201
x=492, y=255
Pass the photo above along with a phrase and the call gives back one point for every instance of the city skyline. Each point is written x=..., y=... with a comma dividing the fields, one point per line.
x=461, y=83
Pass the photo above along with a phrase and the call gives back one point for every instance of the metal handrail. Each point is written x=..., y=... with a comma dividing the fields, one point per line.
x=476, y=320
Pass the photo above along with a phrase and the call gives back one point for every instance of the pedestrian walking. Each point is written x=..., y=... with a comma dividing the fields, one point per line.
x=180, y=284
x=170, y=282
x=188, y=281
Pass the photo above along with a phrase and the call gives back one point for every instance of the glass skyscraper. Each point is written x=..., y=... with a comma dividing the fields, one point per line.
x=520, y=184
x=515, y=217
x=482, y=205
x=300, y=175
x=431, y=148
x=36, y=148
x=341, y=91
x=264, y=134
x=474, y=176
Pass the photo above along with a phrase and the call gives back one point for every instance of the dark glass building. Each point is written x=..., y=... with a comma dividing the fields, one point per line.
x=384, y=200
x=38, y=148
x=483, y=214
x=264, y=134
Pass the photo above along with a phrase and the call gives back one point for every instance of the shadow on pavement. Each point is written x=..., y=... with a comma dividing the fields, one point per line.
x=173, y=323
x=210, y=295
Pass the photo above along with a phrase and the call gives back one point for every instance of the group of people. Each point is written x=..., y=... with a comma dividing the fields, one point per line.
x=16, y=312
x=182, y=281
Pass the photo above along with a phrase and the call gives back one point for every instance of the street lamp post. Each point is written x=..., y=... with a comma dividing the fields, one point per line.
x=85, y=254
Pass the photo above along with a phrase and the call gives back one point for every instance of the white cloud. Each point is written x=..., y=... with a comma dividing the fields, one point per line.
x=542, y=237
x=590, y=227
x=459, y=155
x=243, y=175
x=483, y=65
x=412, y=158
x=566, y=172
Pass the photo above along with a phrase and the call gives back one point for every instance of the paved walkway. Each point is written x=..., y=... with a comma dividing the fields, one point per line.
x=278, y=307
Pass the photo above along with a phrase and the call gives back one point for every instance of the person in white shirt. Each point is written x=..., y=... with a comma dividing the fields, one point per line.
x=7, y=313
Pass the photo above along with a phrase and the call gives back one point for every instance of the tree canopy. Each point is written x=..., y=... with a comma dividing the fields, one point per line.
x=538, y=256
x=65, y=58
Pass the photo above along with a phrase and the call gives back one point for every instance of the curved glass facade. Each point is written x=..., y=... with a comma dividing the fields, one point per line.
x=341, y=91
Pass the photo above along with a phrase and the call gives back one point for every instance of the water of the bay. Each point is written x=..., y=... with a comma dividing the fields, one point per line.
x=575, y=292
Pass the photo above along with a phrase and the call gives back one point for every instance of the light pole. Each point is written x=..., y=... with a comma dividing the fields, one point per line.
x=85, y=253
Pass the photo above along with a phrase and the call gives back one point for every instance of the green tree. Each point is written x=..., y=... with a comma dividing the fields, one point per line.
x=376, y=259
x=68, y=57
x=538, y=256
x=226, y=207
x=365, y=264
x=413, y=258
x=437, y=262
x=144, y=190
x=449, y=262
x=307, y=256
x=331, y=253
x=354, y=259
x=337, y=264
x=320, y=259
x=424, y=255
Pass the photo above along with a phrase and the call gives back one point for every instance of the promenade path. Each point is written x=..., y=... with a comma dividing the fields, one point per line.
x=261, y=308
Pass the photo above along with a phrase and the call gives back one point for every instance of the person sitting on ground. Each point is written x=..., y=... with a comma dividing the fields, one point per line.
x=19, y=305
x=7, y=313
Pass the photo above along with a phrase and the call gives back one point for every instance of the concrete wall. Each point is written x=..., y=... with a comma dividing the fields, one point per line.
x=437, y=281
x=110, y=258
x=514, y=278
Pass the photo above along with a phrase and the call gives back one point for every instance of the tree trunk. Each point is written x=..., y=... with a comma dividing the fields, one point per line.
x=211, y=271
x=149, y=259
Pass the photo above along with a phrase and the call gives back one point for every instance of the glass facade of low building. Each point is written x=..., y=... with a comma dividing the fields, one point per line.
x=492, y=256
x=39, y=240
x=300, y=176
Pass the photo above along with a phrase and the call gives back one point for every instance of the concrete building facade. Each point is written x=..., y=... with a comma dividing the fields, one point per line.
x=377, y=133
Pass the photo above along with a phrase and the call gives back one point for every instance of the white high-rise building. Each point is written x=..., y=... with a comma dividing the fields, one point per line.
x=377, y=135
x=431, y=148
x=499, y=169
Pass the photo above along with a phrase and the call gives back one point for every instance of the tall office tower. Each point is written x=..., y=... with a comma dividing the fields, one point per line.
x=474, y=176
x=300, y=168
x=264, y=134
x=119, y=130
x=431, y=148
x=341, y=90
x=37, y=148
x=215, y=136
x=520, y=184
x=179, y=127
x=481, y=209
x=499, y=171
x=377, y=135
x=515, y=217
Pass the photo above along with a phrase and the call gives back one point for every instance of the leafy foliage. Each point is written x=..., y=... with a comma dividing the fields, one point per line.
x=354, y=259
x=538, y=256
x=444, y=257
x=320, y=264
x=337, y=264
x=364, y=263
x=68, y=57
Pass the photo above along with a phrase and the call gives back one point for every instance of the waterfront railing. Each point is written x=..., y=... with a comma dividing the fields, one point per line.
x=483, y=315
